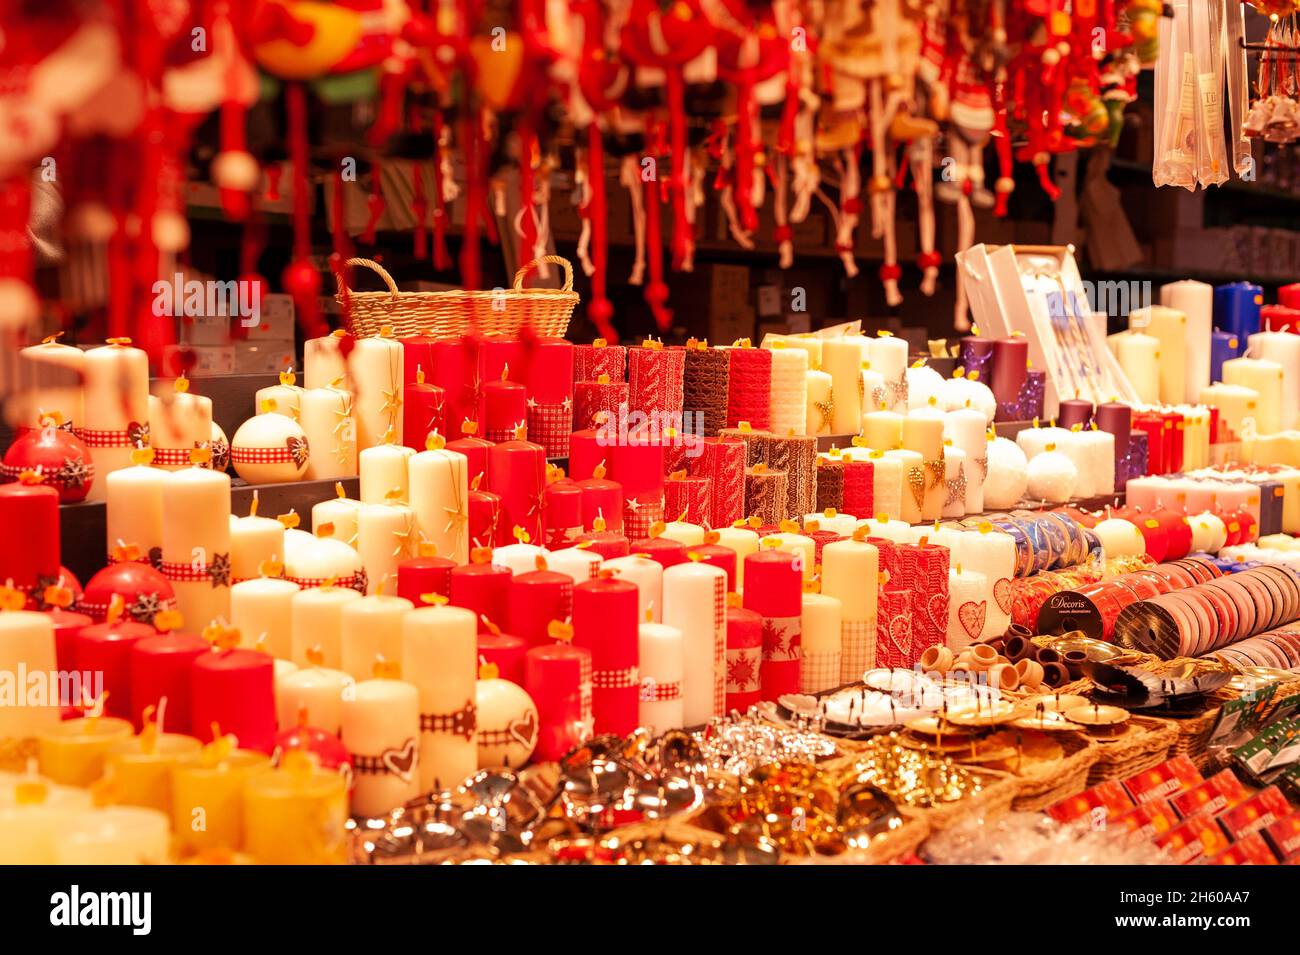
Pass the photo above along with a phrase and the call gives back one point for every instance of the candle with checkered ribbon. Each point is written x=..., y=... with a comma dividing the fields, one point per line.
x=269, y=449
x=695, y=602
x=115, y=388
x=850, y=570
x=55, y=371
x=548, y=376
x=558, y=678
x=481, y=586
x=439, y=495
x=605, y=622
x=371, y=628
x=505, y=407
x=662, y=668
x=196, y=543
x=178, y=422
x=440, y=658
x=577, y=563
x=774, y=590
x=326, y=418
x=386, y=536
x=508, y=721
x=313, y=561
x=637, y=463
x=384, y=467
x=375, y=369
x=821, y=628
x=381, y=730
x=316, y=624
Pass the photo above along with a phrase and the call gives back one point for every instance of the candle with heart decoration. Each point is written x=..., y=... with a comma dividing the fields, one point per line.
x=115, y=389
x=386, y=536
x=370, y=628
x=662, y=662
x=140, y=767
x=55, y=373
x=375, y=369
x=439, y=657
x=234, y=688
x=605, y=622
x=133, y=514
x=381, y=730
x=424, y=410
x=339, y=513
x=313, y=695
x=482, y=585
x=270, y=448
x=850, y=570
x=991, y=553
x=325, y=359
x=29, y=546
x=196, y=541
x=775, y=591
x=968, y=607
x=558, y=678
x=326, y=417
x=208, y=794
x=284, y=398
x=73, y=753
x=508, y=722
x=254, y=541
x=694, y=602
x=316, y=623
x=104, y=649
x=178, y=422
x=385, y=467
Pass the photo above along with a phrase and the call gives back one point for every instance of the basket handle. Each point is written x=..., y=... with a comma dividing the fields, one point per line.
x=374, y=267
x=559, y=260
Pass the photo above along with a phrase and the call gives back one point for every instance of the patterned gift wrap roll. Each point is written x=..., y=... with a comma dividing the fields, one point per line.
x=788, y=398
x=592, y=361
x=797, y=457
x=655, y=380
x=749, y=382
x=765, y=494
x=705, y=389
x=689, y=499
x=894, y=629
x=755, y=441
x=859, y=487
x=744, y=659
x=774, y=590
x=923, y=569
x=723, y=463
x=597, y=401
x=830, y=484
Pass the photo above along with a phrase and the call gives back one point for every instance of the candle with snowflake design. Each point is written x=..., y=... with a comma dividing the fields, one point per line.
x=116, y=407
x=774, y=590
x=744, y=658
x=196, y=543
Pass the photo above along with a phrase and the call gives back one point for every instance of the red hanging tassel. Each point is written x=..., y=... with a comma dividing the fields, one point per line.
x=656, y=291
x=301, y=280
x=469, y=250
x=441, y=258
x=374, y=204
x=678, y=184
x=600, y=311
x=527, y=219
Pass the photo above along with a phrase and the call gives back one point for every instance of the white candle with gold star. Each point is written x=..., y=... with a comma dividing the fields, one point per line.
x=439, y=495
x=384, y=471
x=284, y=398
x=386, y=536
x=820, y=412
x=323, y=361
x=336, y=517
x=326, y=418
x=375, y=368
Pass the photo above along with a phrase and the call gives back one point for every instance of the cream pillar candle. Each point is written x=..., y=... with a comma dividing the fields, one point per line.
x=339, y=513
x=312, y=696
x=695, y=603
x=440, y=498
x=965, y=427
x=662, y=663
x=850, y=571
x=179, y=422
x=873, y=387
x=115, y=414
x=1283, y=348
x=833, y=521
x=577, y=562
x=1196, y=301
x=55, y=372
x=133, y=515
x=1119, y=538
x=968, y=607
x=882, y=430
x=375, y=367
x=316, y=625
x=923, y=433
x=648, y=575
x=27, y=641
x=519, y=557
x=1266, y=378
x=803, y=547
x=381, y=729
x=1138, y=355
x=992, y=553
x=1075, y=446
x=954, y=482
x=1034, y=441
x=888, y=356
x=1150, y=492
x=820, y=408
x=912, y=488
x=684, y=532
x=384, y=469
x=809, y=343
x=789, y=391
x=886, y=483
x=115, y=835
x=842, y=360
x=821, y=659
x=1169, y=326
x=1100, y=468
x=196, y=543
x=326, y=417
x=284, y=398
x=312, y=561
x=892, y=529
x=386, y=536
x=323, y=361
x=262, y=610
x=254, y=541
x=744, y=542
x=371, y=628
x=440, y=656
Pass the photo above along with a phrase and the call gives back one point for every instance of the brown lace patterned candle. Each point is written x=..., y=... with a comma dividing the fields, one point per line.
x=796, y=455
x=830, y=484
x=755, y=440
x=765, y=494
x=705, y=388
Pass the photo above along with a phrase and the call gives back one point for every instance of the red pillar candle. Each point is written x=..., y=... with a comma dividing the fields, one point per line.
x=485, y=528
x=562, y=507
x=417, y=356
x=744, y=658
x=722, y=461
x=716, y=555
x=1153, y=424
x=234, y=689
x=608, y=544
x=1281, y=318
x=558, y=678
x=656, y=382
x=547, y=373
x=67, y=624
x=160, y=667
x=596, y=402
x=1175, y=429
x=605, y=622
x=505, y=408
x=29, y=542
x=481, y=587
x=749, y=387
x=637, y=463
x=688, y=499
x=894, y=628
x=424, y=575
x=923, y=570
x=535, y=599
x=497, y=354
x=680, y=448
x=517, y=473
x=820, y=540
x=105, y=649
x=475, y=450
x=1010, y=368
x=774, y=590
x=592, y=361
x=506, y=651
x=424, y=410
x=859, y=488
x=601, y=498
x=451, y=366
x=588, y=450
x=661, y=550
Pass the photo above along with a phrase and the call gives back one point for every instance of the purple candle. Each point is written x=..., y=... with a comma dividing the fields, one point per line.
x=1074, y=411
x=1117, y=419
x=976, y=354
x=1010, y=366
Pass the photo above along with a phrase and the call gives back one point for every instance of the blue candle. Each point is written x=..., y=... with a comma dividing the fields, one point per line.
x=1236, y=309
x=1223, y=346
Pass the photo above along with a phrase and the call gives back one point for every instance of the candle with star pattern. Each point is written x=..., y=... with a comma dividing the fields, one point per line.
x=375, y=368
x=439, y=495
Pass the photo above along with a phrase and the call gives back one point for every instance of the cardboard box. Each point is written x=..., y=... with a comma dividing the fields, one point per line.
x=207, y=360
x=263, y=358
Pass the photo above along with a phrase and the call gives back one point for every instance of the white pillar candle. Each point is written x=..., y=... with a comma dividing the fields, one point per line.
x=873, y=387
x=886, y=483
x=254, y=541
x=1099, y=460
x=744, y=542
x=695, y=602
x=261, y=609
x=833, y=521
x=803, y=547
x=284, y=398
x=54, y=371
x=311, y=561
x=684, y=532
x=371, y=628
x=1119, y=538
x=1284, y=349
x=1266, y=378
x=820, y=409
x=821, y=659
x=911, y=489
x=808, y=343
x=27, y=640
x=312, y=696
x=578, y=563
x=850, y=574
x=323, y=361
x=375, y=366
x=339, y=513
x=178, y=423
x=440, y=499
x=1169, y=326
x=1149, y=492
x=133, y=515
x=115, y=835
x=1138, y=355
x=196, y=543
x=383, y=471
x=842, y=360
x=891, y=529
x=788, y=403
x=992, y=553
x=1034, y=441
x=326, y=418
x=882, y=430
x=888, y=356
x=1236, y=403
x=440, y=656
x=662, y=662
x=1074, y=445
x=381, y=729
x=116, y=407
x=519, y=557
x=385, y=537
x=965, y=427
x=968, y=607
x=1196, y=301
x=316, y=625
x=648, y=575
x=954, y=482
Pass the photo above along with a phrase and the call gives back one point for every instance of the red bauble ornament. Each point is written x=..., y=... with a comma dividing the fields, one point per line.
x=144, y=590
x=60, y=457
x=327, y=748
x=301, y=280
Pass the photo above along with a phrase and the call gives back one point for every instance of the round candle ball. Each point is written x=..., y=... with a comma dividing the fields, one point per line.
x=143, y=589
x=1052, y=476
x=923, y=383
x=1008, y=475
x=59, y=456
x=1208, y=533
x=1119, y=538
x=270, y=449
x=507, y=724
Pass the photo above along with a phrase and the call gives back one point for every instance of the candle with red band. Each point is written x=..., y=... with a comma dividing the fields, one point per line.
x=535, y=599
x=235, y=689
x=517, y=473
x=605, y=622
x=744, y=658
x=424, y=575
x=160, y=667
x=482, y=588
x=774, y=590
x=562, y=504
x=558, y=678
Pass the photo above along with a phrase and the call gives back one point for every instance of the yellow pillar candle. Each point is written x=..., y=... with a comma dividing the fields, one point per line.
x=822, y=635
x=384, y=473
x=842, y=360
x=440, y=658
x=208, y=796
x=1264, y=377
x=73, y=752
x=326, y=418
x=296, y=814
x=381, y=729
x=440, y=498
x=117, y=835
x=1138, y=355
x=882, y=430
x=141, y=766
x=375, y=369
x=923, y=433
x=26, y=643
x=196, y=541
x=371, y=628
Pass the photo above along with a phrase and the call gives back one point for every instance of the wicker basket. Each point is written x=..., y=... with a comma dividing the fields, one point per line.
x=1134, y=753
x=884, y=849
x=453, y=313
x=994, y=799
x=1048, y=785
